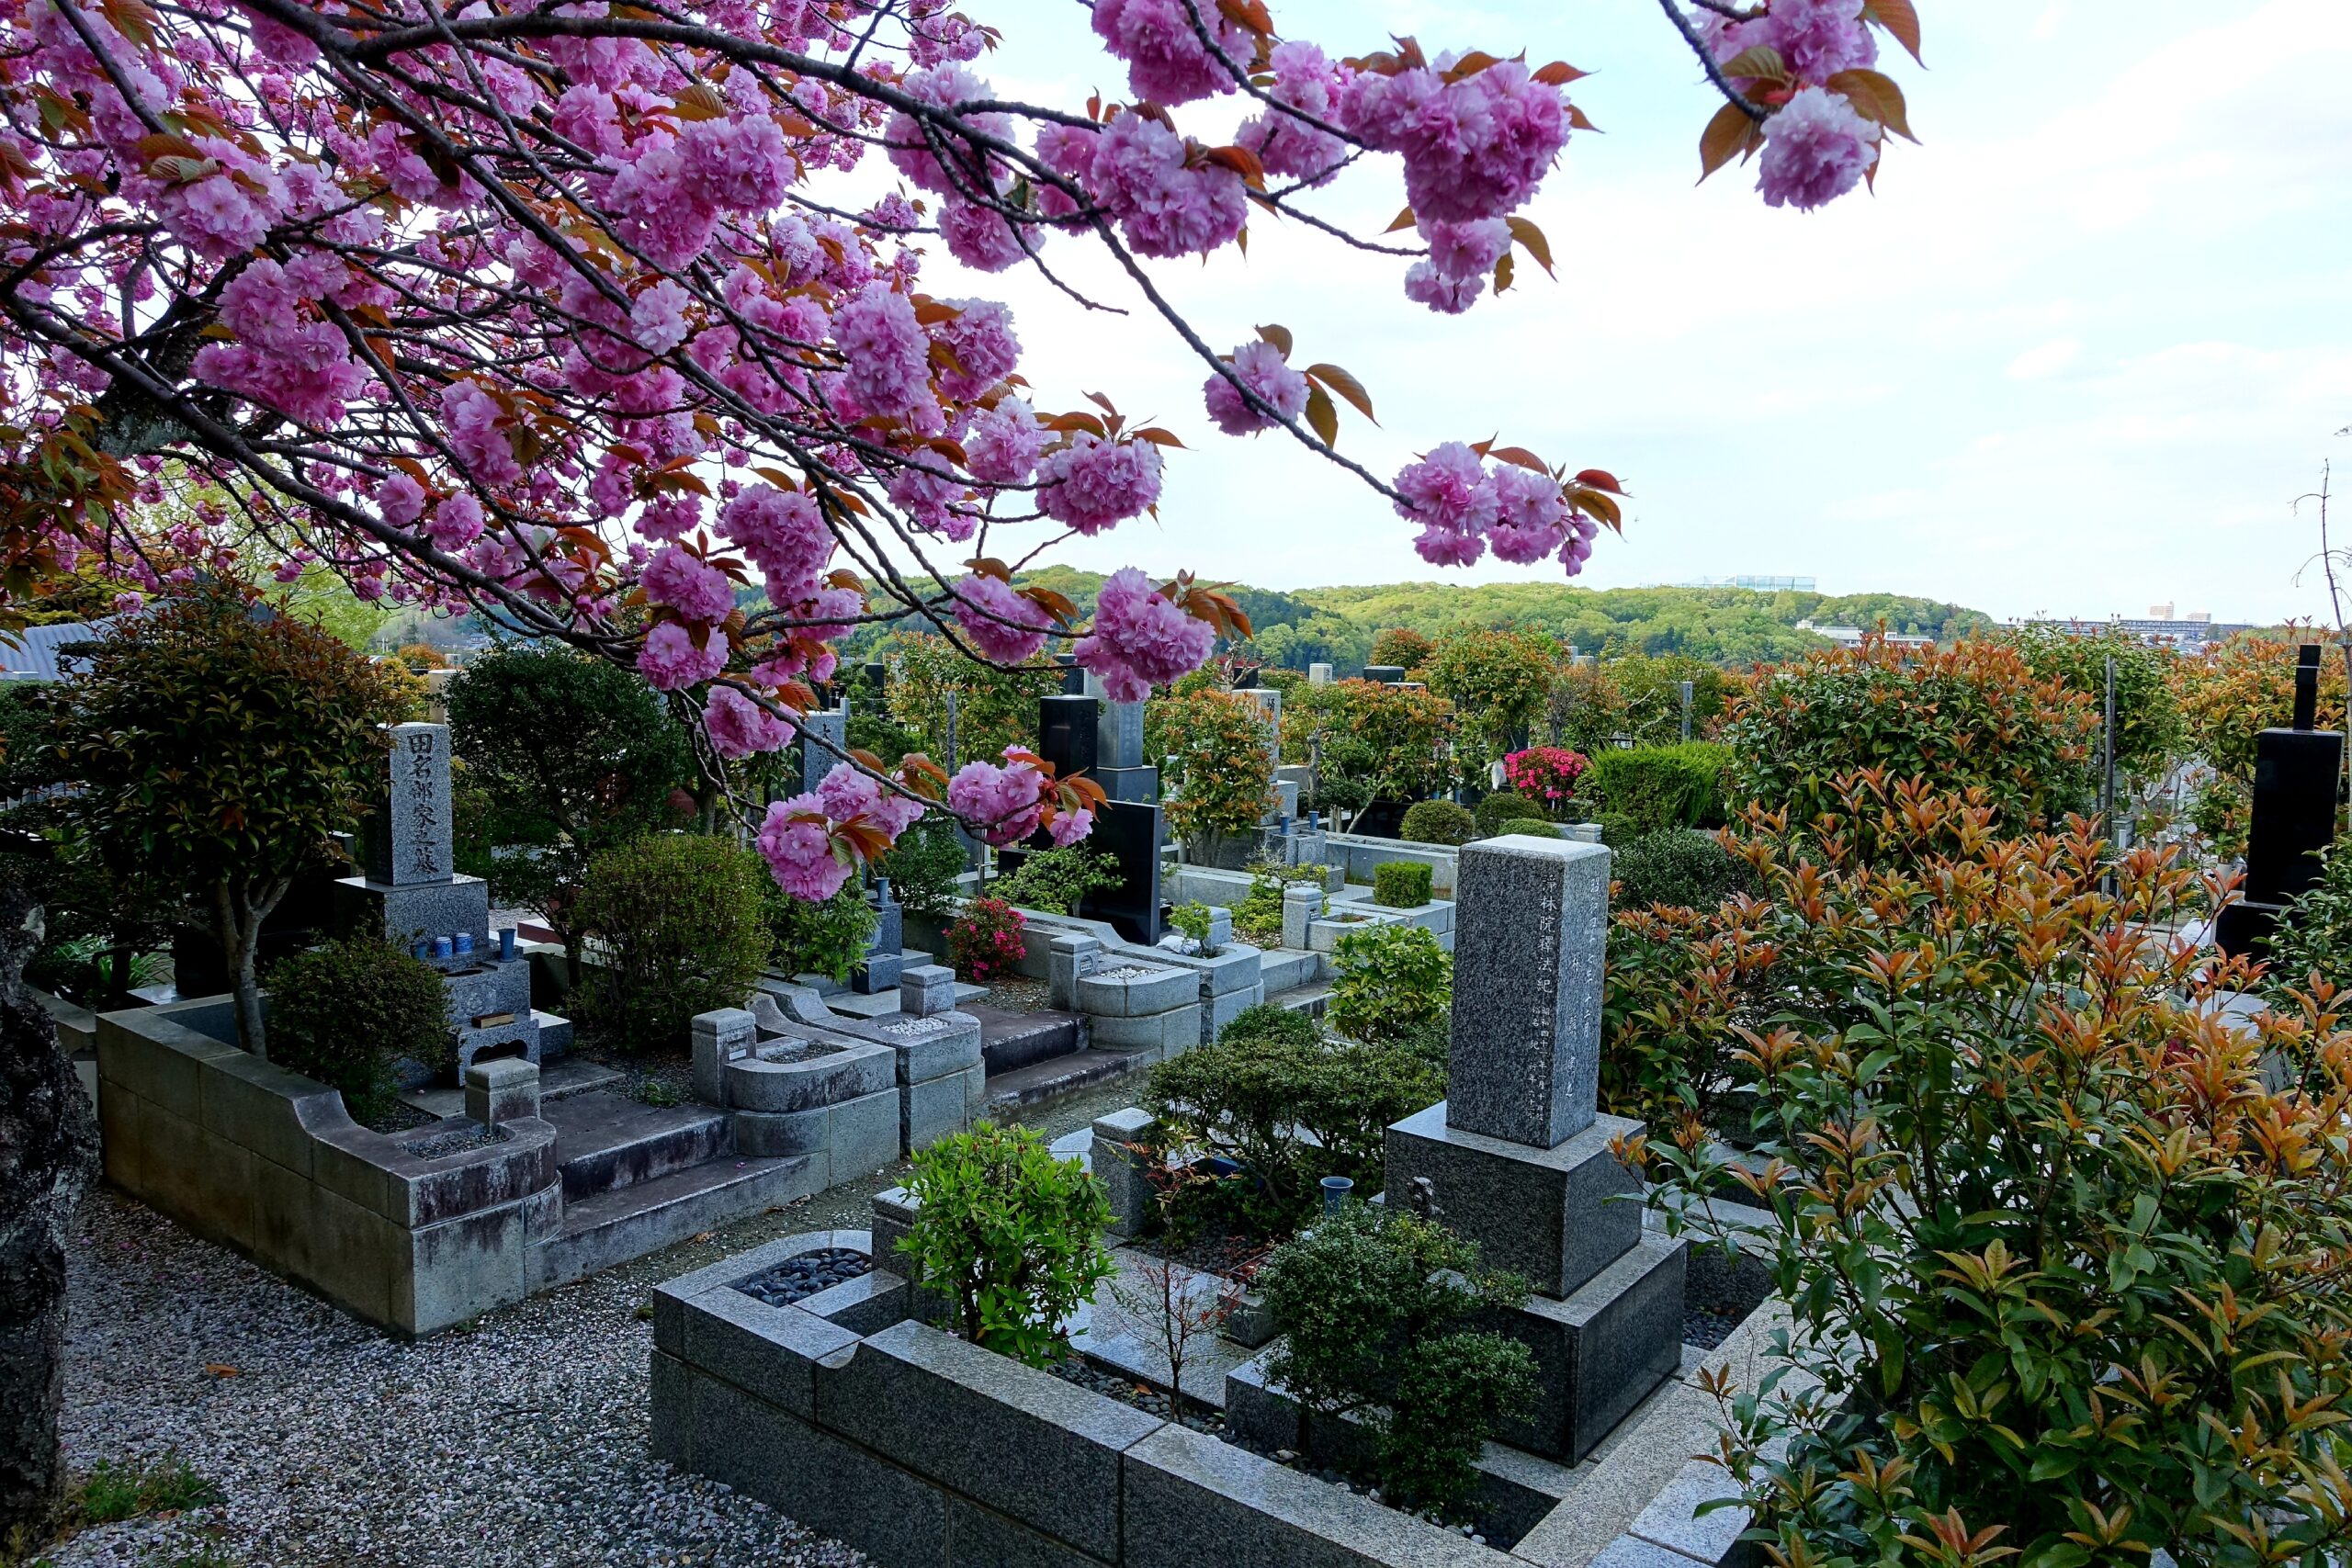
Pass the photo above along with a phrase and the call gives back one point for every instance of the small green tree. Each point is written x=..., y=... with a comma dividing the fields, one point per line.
x=1378, y=1309
x=1215, y=763
x=681, y=920
x=1009, y=1234
x=1370, y=742
x=993, y=708
x=217, y=745
x=572, y=756
x=1401, y=647
x=828, y=938
x=1496, y=679
x=1391, y=981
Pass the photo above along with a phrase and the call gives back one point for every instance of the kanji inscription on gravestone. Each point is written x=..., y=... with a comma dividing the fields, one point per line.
x=410, y=843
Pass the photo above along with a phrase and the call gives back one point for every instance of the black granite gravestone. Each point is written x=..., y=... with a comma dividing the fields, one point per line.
x=1386, y=674
x=1069, y=736
x=2296, y=774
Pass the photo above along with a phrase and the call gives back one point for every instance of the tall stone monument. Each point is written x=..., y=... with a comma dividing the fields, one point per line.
x=1517, y=1157
x=1070, y=727
x=2296, y=771
x=412, y=895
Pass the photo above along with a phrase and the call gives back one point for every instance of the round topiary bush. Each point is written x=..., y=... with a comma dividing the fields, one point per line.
x=346, y=1012
x=681, y=928
x=1502, y=811
x=1679, y=866
x=1401, y=884
x=1438, y=823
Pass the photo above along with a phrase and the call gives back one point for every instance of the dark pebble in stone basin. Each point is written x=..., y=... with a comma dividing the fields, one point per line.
x=1706, y=1330
x=806, y=1274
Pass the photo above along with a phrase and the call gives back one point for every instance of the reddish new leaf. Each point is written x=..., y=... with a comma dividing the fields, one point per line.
x=1347, y=386
x=1899, y=18
x=1279, y=336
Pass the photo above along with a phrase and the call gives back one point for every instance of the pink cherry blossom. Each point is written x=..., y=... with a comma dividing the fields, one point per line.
x=671, y=662
x=1307, y=81
x=1816, y=38
x=984, y=605
x=1004, y=443
x=1068, y=827
x=1466, y=250
x=457, y=522
x=1474, y=148
x=1424, y=285
x=1166, y=206
x=887, y=353
x=1140, y=639
x=739, y=728
x=1816, y=150
x=800, y=854
x=472, y=416
x=1161, y=44
x=1261, y=368
x=980, y=337
x=1003, y=805
x=400, y=500
x=783, y=534
x=1092, y=483
x=979, y=236
x=693, y=587
x=849, y=792
x=1448, y=490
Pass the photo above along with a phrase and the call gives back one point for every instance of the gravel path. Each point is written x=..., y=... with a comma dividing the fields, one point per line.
x=521, y=1444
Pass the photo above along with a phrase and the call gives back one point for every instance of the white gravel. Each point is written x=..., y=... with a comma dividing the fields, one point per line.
x=520, y=1443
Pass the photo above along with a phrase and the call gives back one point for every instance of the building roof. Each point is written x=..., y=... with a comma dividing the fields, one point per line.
x=31, y=653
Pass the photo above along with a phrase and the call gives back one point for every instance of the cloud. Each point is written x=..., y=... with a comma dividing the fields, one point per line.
x=2045, y=360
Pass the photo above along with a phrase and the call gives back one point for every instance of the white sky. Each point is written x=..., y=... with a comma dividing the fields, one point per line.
x=2077, y=356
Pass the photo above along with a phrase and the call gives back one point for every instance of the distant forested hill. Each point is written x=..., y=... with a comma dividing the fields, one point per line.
x=1726, y=625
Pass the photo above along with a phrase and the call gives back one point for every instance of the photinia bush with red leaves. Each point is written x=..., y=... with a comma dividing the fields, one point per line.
x=2064, y=1247
x=554, y=311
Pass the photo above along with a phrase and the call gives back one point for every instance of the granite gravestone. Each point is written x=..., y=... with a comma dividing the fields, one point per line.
x=1318, y=674
x=1517, y=1156
x=408, y=838
x=2296, y=773
x=1129, y=832
x=1385, y=674
x=829, y=724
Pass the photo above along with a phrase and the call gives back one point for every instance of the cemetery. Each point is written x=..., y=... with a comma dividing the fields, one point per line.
x=668, y=900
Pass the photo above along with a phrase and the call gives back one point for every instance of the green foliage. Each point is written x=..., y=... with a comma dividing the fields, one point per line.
x=1650, y=788
x=1971, y=717
x=1258, y=914
x=2149, y=731
x=1649, y=695
x=1192, y=920
x=1438, y=822
x=2220, y=810
x=2312, y=941
x=346, y=1012
x=985, y=941
x=1374, y=743
x=1676, y=865
x=571, y=756
x=2247, y=685
x=681, y=925
x=27, y=750
x=828, y=939
x=994, y=708
x=1379, y=1311
x=879, y=733
x=1010, y=1236
x=217, y=750
x=1291, y=1107
x=112, y=1492
x=1504, y=806
x=924, y=863
x=2059, y=1243
x=1401, y=884
x=1401, y=646
x=1497, y=680
x=1391, y=980
x=1215, y=763
x=1057, y=881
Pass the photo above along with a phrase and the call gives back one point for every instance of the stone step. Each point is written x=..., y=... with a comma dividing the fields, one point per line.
x=1010, y=1041
x=569, y=1076
x=1040, y=1083
x=1309, y=999
x=605, y=1142
x=627, y=1223
x=1285, y=968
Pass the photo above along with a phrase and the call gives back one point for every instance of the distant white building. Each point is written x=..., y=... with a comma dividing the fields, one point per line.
x=1759, y=584
x=2191, y=632
x=1852, y=636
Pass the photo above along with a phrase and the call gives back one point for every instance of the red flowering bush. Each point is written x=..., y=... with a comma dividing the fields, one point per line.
x=1545, y=773
x=986, y=941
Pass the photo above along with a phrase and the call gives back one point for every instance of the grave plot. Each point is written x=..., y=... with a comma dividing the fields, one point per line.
x=862, y=1416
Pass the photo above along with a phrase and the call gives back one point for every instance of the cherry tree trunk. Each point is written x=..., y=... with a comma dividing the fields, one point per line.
x=49, y=1144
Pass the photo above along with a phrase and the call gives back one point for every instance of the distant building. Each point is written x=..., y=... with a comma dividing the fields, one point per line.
x=2191, y=632
x=1852, y=636
x=31, y=653
x=1760, y=584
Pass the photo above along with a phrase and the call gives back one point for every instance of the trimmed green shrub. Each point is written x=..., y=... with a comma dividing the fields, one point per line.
x=1391, y=980
x=1379, y=1310
x=1057, y=881
x=924, y=864
x=1679, y=866
x=1504, y=805
x=346, y=1012
x=828, y=939
x=1652, y=788
x=1009, y=1234
x=1291, y=1107
x=681, y=923
x=1438, y=823
x=1401, y=884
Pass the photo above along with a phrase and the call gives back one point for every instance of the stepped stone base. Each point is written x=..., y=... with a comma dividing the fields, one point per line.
x=1601, y=1351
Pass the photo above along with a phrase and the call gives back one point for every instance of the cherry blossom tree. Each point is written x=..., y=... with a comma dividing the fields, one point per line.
x=542, y=310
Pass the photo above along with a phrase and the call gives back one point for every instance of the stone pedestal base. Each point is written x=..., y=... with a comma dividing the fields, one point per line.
x=1601, y=1351
x=1558, y=1216
x=402, y=914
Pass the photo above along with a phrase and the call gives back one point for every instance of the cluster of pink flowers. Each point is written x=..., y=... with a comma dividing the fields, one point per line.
x=1475, y=147
x=1548, y=774
x=1818, y=146
x=1169, y=200
x=1466, y=504
x=782, y=534
x=739, y=728
x=1140, y=639
x=1167, y=62
x=301, y=366
x=1093, y=483
x=1288, y=146
x=1001, y=624
x=1816, y=39
x=1003, y=805
x=1261, y=368
x=678, y=580
x=801, y=840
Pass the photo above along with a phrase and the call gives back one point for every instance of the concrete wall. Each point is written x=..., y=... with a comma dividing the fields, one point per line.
x=269, y=1163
